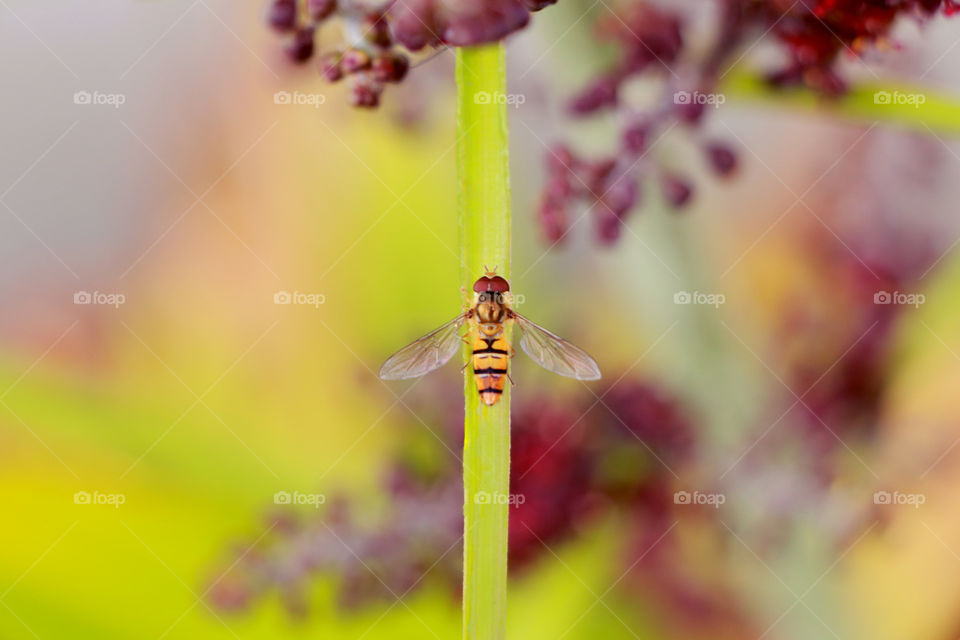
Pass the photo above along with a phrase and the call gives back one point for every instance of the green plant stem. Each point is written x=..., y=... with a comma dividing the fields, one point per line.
x=938, y=113
x=484, y=208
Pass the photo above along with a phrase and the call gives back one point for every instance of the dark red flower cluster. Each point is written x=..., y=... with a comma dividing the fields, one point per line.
x=817, y=32
x=371, y=55
x=368, y=58
x=846, y=369
x=653, y=42
x=570, y=466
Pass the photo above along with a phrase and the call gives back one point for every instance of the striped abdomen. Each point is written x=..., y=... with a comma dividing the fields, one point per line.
x=490, y=367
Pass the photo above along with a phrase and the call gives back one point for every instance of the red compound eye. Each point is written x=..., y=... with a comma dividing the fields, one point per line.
x=495, y=283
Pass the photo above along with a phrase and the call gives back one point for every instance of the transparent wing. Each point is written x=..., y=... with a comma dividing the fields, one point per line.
x=552, y=352
x=425, y=354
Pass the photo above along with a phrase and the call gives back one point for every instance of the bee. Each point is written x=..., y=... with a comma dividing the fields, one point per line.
x=486, y=319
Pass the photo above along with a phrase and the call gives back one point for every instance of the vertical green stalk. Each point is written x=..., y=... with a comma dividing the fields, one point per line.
x=484, y=208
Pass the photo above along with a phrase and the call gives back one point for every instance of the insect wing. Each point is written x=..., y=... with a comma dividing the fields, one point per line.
x=554, y=353
x=424, y=354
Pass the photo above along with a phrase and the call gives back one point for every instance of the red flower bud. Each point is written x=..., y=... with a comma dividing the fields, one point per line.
x=721, y=158
x=355, y=60
x=300, y=48
x=390, y=67
x=365, y=93
x=282, y=15
x=676, y=190
x=330, y=68
x=321, y=9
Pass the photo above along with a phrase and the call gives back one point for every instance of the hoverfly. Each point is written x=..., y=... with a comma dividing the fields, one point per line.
x=486, y=319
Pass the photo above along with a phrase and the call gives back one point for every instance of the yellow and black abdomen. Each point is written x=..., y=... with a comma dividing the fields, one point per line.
x=490, y=367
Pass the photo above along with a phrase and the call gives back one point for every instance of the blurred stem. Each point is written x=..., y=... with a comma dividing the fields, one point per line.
x=938, y=114
x=484, y=209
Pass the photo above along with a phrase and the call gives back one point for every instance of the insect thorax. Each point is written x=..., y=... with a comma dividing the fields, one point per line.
x=490, y=312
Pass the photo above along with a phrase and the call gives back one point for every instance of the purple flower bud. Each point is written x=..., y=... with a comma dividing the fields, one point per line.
x=376, y=29
x=676, y=190
x=414, y=24
x=690, y=112
x=601, y=93
x=721, y=158
x=320, y=10
x=365, y=93
x=560, y=160
x=607, y=228
x=300, y=48
x=635, y=138
x=646, y=33
x=282, y=15
x=473, y=23
x=537, y=5
x=559, y=188
x=595, y=174
x=390, y=67
x=355, y=60
x=330, y=68
x=621, y=196
x=553, y=221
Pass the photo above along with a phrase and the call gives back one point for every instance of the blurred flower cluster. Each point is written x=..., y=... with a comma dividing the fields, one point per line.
x=573, y=463
x=375, y=35
x=836, y=341
x=654, y=41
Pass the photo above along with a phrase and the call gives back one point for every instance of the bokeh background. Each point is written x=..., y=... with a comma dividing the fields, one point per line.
x=186, y=408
